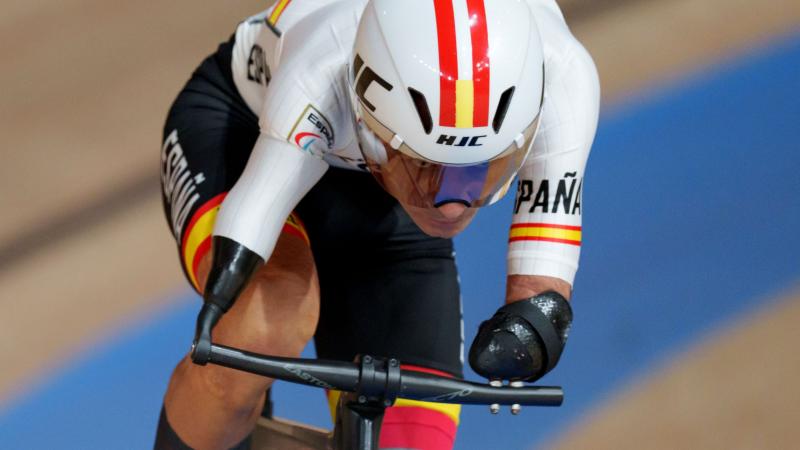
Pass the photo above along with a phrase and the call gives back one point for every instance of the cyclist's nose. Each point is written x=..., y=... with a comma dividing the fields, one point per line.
x=452, y=210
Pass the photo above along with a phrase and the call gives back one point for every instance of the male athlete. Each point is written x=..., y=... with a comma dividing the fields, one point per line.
x=316, y=166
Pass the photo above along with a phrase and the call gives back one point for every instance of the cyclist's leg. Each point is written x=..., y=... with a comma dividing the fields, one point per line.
x=397, y=296
x=215, y=407
x=209, y=135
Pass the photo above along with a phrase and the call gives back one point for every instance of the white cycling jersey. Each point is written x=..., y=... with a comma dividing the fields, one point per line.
x=290, y=65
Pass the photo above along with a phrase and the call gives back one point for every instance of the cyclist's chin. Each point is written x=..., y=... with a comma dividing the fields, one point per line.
x=433, y=223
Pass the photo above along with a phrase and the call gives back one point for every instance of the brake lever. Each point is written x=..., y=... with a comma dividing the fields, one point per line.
x=206, y=320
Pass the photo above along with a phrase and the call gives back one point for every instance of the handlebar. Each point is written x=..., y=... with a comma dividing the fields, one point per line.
x=381, y=379
x=372, y=379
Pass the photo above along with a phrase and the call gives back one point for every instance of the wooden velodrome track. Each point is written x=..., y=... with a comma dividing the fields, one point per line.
x=83, y=243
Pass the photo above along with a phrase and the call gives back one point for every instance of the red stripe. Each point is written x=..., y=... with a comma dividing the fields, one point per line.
x=448, y=61
x=480, y=62
x=302, y=135
x=425, y=370
x=299, y=221
x=203, y=209
x=418, y=428
x=546, y=239
x=289, y=229
x=202, y=249
x=545, y=225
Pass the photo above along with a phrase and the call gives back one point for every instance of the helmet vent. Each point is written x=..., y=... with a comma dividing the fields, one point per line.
x=422, y=109
x=502, y=109
x=541, y=100
x=357, y=64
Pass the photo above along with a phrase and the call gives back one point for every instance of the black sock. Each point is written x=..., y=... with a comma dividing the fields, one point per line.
x=168, y=439
x=245, y=444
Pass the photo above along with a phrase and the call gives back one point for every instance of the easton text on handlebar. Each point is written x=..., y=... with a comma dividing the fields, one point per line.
x=381, y=378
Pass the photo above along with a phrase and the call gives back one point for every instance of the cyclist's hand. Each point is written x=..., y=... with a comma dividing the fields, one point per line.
x=523, y=340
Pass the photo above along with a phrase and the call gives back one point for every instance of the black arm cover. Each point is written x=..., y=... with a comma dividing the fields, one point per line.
x=231, y=268
x=523, y=340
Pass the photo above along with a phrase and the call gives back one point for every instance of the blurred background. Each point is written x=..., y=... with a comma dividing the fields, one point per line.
x=687, y=302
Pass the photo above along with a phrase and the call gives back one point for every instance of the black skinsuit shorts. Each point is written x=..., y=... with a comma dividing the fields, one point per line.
x=387, y=289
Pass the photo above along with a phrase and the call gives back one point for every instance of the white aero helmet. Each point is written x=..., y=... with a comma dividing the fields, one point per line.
x=447, y=96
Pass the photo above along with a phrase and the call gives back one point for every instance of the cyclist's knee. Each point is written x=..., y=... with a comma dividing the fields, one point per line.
x=289, y=281
x=216, y=387
x=237, y=391
x=277, y=312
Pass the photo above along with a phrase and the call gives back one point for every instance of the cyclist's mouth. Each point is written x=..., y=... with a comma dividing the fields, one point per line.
x=446, y=223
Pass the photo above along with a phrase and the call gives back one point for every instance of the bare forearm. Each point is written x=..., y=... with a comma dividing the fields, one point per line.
x=520, y=287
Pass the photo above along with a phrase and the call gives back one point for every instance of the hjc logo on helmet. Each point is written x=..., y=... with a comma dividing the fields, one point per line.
x=464, y=141
x=364, y=79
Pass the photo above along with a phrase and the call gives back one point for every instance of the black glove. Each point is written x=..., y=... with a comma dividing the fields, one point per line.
x=523, y=340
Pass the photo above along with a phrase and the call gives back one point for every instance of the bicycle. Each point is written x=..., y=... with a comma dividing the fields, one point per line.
x=368, y=386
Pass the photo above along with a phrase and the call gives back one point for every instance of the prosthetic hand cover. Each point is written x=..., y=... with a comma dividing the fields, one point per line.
x=523, y=340
x=232, y=266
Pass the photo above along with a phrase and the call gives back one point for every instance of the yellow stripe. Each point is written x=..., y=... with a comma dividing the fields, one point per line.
x=203, y=229
x=333, y=399
x=294, y=222
x=465, y=103
x=450, y=410
x=276, y=13
x=199, y=232
x=552, y=233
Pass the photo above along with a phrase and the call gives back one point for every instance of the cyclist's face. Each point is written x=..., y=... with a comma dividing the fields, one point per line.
x=445, y=221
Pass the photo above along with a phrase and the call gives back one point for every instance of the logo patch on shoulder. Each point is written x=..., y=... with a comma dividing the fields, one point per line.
x=312, y=132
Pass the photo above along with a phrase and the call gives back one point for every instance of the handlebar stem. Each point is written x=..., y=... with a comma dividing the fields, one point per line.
x=380, y=380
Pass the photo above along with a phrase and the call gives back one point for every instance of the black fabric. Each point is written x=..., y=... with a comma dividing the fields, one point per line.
x=215, y=129
x=245, y=444
x=167, y=438
x=387, y=289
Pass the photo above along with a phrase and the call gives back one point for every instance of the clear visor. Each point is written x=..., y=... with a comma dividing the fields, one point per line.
x=413, y=180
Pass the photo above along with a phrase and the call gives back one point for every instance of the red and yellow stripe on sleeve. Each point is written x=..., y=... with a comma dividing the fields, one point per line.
x=561, y=234
x=294, y=226
x=276, y=13
x=197, y=237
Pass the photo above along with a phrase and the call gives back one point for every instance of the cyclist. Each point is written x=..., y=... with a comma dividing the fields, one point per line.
x=378, y=128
